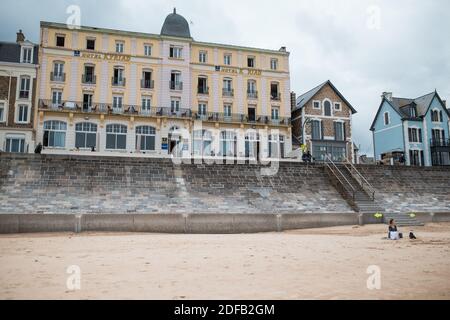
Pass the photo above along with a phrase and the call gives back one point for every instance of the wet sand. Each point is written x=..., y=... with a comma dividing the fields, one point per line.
x=326, y=263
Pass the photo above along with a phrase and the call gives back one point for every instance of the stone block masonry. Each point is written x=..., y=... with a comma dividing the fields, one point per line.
x=57, y=184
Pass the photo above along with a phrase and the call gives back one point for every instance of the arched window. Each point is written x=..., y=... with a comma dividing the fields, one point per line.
x=228, y=143
x=116, y=137
x=327, y=108
x=85, y=135
x=202, y=143
x=145, y=138
x=55, y=134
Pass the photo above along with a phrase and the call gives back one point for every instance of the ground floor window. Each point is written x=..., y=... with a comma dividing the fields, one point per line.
x=228, y=143
x=55, y=134
x=416, y=158
x=145, y=138
x=116, y=137
x=252, y=145
x=338, y=153
x=276, y=146
x=440, y=158
x=85, y=135
x=202, y=143
x=15, y=144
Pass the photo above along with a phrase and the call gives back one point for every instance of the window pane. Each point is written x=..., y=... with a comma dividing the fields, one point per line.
x=110, y=141
x=121, y=141
x=80, y=140
x=91, y=140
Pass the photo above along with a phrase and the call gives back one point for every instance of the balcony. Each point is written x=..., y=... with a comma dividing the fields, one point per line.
x=88, y=79
x=202, y=90
x=57, y=77
x=252, y=94
x=182, y=113
x=176, y=85
x=147, y=84
x=443, y=144
x=227, y=92
x=24, y=94
x=275, y=96
x=118, y=82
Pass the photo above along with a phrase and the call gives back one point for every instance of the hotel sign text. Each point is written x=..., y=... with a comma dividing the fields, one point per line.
x=106, y=56
x=248, y=71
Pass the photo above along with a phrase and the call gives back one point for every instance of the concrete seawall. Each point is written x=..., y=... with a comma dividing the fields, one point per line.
x=188, y=223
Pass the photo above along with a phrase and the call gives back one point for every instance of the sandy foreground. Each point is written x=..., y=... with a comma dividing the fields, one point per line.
x=326, y=263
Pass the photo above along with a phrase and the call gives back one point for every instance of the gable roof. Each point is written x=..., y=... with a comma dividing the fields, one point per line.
x=303, y=99
x=400, y=105
x=10, y=52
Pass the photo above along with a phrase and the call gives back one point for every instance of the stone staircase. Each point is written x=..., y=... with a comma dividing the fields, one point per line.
x=402, y=219
x=352, y=187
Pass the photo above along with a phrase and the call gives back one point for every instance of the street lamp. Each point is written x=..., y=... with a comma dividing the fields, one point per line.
x=307, y=120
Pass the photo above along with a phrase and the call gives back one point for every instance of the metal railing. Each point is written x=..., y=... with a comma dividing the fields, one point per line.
x=118, y=82
x=109, y=108
x=227, y=92
x=57, y=77
x=252, y=94
x=202, y=90
x=147, y=84
x=24, y=94
x=275, y=96
x=176, y=85
x=337, y=173
x=365, y=185
x=439, y=143
x=88, y=79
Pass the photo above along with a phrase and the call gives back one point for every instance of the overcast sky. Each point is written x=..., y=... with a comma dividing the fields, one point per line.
x=364, y=47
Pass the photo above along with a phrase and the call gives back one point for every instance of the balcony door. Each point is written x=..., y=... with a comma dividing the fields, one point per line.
x=87, y=102
x=252, y=114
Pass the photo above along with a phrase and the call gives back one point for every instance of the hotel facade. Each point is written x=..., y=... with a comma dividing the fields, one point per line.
x=109, y=91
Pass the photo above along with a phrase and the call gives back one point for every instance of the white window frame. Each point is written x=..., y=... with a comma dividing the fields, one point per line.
x=227, y=59
x=56, y=128
x=342, y=130
x=117, y=104
x=275, y=111
x=146, y=105
x=22, y=142
x=148, y=48
x=314, y=104
x=203, y=56
x=26, y=59
x=202, y=109
x=225, y=111
x=337, y=104
x=273, y=64
x=175, y=105
x=57, y=103
x=254, y=61
x=120, y=46
x=175, y=52
x=30, y=85
x=116, y=130
x=19, y=114
x=86, y=129
x=3, y=118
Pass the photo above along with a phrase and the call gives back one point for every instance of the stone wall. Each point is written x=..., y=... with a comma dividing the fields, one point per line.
x=81, y=184
x=410, y=189
x=84, y=184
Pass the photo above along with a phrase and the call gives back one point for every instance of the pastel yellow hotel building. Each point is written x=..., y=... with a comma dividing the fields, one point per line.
x=110, y=91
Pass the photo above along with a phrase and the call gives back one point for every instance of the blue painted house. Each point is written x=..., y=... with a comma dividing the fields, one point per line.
x=415, y=131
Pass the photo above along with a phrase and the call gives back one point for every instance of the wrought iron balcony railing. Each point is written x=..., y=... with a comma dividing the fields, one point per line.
x=147, y=84
x=252, y=94
x=24, y=94
x=203, y=90
x=185, y=113
x=118, y=82
x=275, y=96
x=440, y=143
x=57, y=77
x=226, y=92
x=88, y=79
x=174, y=85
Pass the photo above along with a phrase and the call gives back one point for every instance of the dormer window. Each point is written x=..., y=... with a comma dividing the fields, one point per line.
x=27, y=54
x=412, y=112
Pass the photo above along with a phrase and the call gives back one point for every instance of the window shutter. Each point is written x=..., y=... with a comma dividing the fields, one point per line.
x=420, y=135
x=335, y=130
x=441, y=117
x=344, y=130
x=321, y=130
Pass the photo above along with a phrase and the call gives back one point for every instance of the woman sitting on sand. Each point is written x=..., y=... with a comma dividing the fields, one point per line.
x=393, y=228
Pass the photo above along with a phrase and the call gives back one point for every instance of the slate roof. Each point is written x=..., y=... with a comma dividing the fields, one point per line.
x=10, y=52
x=175, y=25
x=303, y=99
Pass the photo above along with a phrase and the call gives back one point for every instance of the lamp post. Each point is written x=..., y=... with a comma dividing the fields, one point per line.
x=307, y=120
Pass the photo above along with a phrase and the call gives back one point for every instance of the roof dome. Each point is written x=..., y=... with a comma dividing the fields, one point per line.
x=175, y=26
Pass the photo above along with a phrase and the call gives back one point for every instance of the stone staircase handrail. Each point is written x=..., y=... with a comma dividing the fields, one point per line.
x=360, y=178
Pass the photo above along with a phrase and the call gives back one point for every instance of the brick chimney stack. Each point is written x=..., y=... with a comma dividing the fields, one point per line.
x=20, y=36
x=293, y=100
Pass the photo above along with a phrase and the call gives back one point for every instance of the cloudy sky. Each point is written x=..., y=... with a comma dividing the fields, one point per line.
x=364, y=47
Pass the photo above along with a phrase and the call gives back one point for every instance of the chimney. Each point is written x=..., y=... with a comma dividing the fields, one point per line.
x=20, y=37
x=445, y=103
x=387, y=96
x=282, y=49
x=293, y=100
